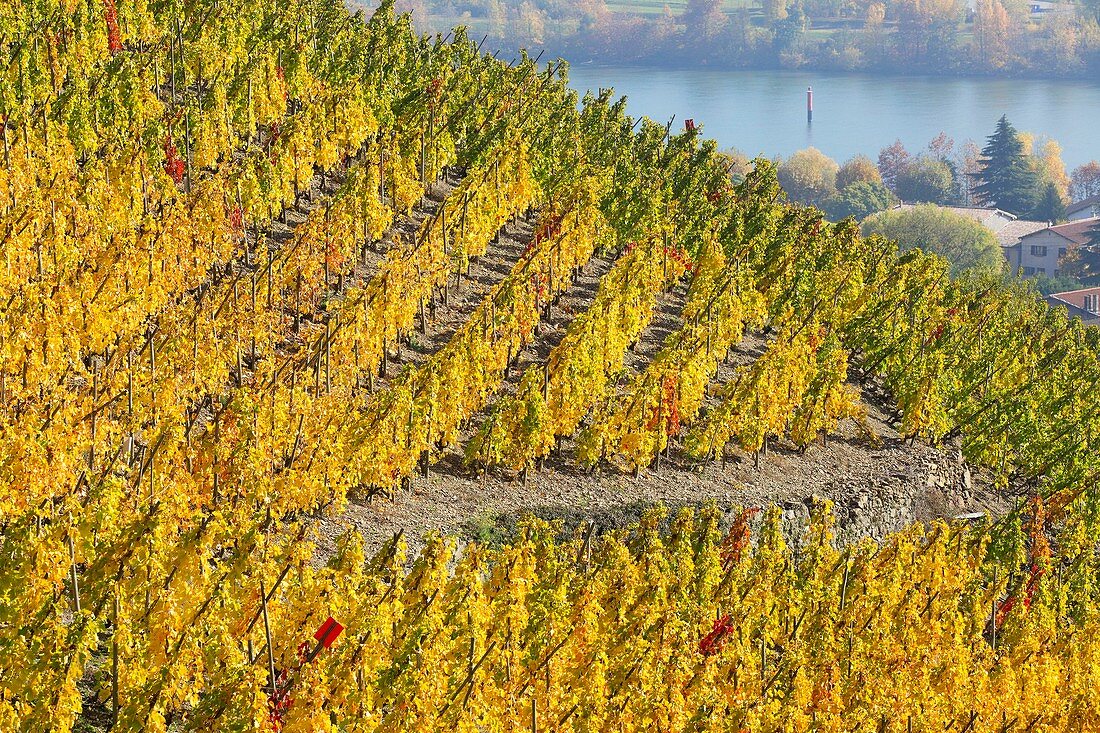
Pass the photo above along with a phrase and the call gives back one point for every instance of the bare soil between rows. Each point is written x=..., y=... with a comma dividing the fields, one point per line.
x=877, y=487
x=878, y=483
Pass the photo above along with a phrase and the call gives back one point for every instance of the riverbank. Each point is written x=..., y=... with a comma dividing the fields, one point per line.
x=577, y=57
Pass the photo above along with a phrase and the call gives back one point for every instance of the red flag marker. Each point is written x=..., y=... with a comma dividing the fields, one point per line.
x=328, y=632
x=279, y=701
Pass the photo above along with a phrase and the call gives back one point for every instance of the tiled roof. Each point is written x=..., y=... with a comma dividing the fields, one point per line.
x=1075, y=231
x=1074, y=303
x=1082, y=205
x=1075, y=297
x=1012, y=232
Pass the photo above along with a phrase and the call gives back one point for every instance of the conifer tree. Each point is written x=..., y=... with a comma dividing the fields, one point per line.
x=1051, y=206
x=1006, y=178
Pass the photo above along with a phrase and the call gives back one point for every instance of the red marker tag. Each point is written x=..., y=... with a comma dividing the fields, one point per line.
x=328, y=632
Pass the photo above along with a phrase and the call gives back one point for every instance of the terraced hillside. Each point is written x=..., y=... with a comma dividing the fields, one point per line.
x=274, y=272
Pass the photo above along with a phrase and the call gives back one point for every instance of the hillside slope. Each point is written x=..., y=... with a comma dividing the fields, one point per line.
x=260, y=260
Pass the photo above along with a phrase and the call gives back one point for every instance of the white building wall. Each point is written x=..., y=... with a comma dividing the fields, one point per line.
x=1086, y=213
x=1039, y=253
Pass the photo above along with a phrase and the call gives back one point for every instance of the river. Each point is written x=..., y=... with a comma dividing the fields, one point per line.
x=764, y=112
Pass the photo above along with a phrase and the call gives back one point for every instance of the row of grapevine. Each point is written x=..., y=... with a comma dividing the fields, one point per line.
x=426, y=409
x=552, y=399
x=174, y=476
x=645, y=630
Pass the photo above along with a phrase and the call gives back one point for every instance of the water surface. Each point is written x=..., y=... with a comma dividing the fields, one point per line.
x=764, y=112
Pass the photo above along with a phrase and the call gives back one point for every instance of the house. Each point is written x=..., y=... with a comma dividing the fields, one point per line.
x=1084, y=209
x=1083, y=304
x=1041, y=252
x=1044, y=7
x=1005, y=226
x=1036, y=8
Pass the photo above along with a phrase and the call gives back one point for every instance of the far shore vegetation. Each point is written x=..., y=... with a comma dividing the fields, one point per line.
x=952, y=37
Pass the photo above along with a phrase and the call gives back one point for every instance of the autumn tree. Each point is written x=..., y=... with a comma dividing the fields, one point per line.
x=874, y=35
x=927, y=31
x=857, y=169
x=1048, y=157
x=704, y=18
x=1053, y=185
x=891, y=162
x=991, y=34
x=808, y=176
x=941, y=147
x=1045, y=156
x=1085, y=181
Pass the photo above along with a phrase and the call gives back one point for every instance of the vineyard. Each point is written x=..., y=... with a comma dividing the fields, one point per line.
x=263, y=260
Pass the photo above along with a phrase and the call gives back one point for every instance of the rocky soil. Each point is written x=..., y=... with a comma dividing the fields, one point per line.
x=876, y=487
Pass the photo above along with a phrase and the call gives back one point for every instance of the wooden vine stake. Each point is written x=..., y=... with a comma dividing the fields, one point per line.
x=993, y=604
x=75, y=580
x=422, y=160
x=763, y=666
x=267, y=634
x=95, y=396
x=381, y=172
x=844, y=584
x=114, y=663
